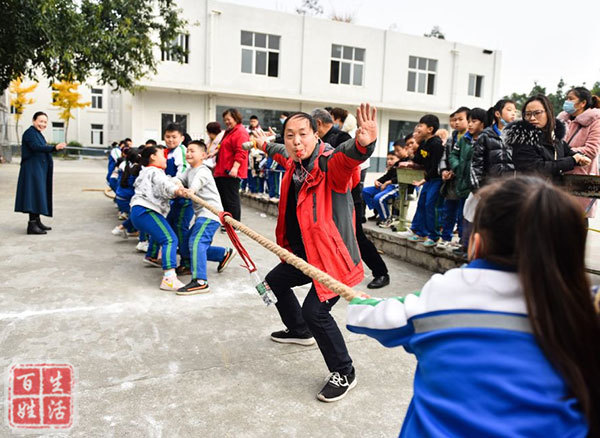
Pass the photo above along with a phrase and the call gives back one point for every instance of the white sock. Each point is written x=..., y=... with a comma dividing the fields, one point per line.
x=169, y=273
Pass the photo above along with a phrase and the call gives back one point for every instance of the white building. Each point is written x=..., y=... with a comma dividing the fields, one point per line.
x=264, y=62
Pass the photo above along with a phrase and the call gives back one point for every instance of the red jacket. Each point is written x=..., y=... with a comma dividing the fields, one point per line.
x=231, y=150
x=325, y=210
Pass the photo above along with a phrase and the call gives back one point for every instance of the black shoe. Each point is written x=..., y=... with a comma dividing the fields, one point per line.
x=194, y=287
x=33, y=228
x=42, y=226
x=229, y=254
x=373, y=218
x=291, y=337
x=337, y=386
x=381, y=281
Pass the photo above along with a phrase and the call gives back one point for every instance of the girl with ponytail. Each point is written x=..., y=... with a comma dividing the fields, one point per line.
x=508, y=345
x=491, y=157
x=582, y=116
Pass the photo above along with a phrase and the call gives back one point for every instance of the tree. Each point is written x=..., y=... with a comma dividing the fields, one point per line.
x=436, y=32
x=556, y=99
x=73, y=39
x=596, y=88
x=66, y=97
x=310, y=7
x=20, y=100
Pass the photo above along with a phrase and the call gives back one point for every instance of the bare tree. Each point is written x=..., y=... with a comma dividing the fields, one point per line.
x=310, y=7
x=436, y=32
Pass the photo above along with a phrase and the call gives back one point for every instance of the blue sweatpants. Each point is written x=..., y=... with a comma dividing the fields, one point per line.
x=273, y=183
x=159, y=230
x=425, y=223
x=377, y=199
x=180, y=216
x=200, y=247
x=453, y=209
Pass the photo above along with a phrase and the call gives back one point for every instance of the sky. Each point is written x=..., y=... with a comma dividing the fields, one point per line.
x=540, y=40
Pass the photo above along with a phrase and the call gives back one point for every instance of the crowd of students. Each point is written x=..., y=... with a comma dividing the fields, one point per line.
x=523, y=302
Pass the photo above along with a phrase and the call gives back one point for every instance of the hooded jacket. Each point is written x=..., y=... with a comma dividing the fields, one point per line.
x=324, y=209
x=583, y=136
x=531, y=154
x=492, y=158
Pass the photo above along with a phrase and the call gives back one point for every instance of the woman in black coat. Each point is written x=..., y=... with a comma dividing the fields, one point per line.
x=537, y=141
x=34, y=190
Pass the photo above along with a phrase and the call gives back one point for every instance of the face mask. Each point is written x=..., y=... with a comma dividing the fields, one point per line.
x=504, y=122
x=336, y=125
x=282, y=120
x=569, y=106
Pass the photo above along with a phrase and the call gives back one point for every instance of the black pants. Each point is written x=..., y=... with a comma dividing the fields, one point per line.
x=368, y=252
x=313, y=316
x=229, y=190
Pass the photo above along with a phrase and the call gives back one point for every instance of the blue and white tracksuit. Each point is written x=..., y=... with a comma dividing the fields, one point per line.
x=153, y=192
x=481, y=371
x=113, y=156
x=377, y=199
x=274, y=174
x=199, y=243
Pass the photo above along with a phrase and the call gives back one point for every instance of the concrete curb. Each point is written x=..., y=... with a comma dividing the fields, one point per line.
x=385, y=240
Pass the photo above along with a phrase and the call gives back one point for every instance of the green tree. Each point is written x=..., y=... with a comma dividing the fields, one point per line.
x=556, y=99
x=74, y=39
x=436, y=32
x=596, y=88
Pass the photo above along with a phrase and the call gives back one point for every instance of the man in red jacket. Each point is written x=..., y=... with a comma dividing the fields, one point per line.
x=316, y=222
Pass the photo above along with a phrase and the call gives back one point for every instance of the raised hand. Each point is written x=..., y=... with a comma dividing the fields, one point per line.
x=367, y=124
x=261, y=137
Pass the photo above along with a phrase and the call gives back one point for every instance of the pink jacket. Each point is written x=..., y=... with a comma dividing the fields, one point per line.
x=586, y=141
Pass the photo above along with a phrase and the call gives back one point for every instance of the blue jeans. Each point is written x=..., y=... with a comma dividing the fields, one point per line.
x=200, y=247
x=425, y=223
x=160, y=231
x=453, y=209
x=377, y=199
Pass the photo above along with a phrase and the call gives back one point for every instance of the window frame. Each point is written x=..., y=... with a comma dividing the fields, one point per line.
x=97, y=98
x=97, y=128
x=347, y=57
x=475, y=85
x=268, y=51
x=181, y=40
x=422, y=73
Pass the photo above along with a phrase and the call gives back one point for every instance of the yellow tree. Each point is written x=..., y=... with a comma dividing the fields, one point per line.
x=67, y=98
x=20, y=99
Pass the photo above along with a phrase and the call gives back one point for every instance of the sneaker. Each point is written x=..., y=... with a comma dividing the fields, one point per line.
x=459, y=252
x=123, y=216
x=229, y=254
x=194, y=287
x=415, y=238
x=142, y=246
x=291, y=337
x=406, y=234
x=120, y=232
x=157, y=263
x=275, y=200
x=337, y=386
x=385, y=224
x=183, y=270
x=428, y=243
x=171, y=283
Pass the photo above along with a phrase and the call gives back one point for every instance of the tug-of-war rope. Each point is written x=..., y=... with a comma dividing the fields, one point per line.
x=316, y=274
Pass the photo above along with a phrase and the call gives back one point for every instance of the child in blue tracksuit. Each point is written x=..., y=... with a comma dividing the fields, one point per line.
x=508, y=345
x=425, y=226
x=149, y=206
x=125, y=192
x=113, y=156
x=199, y=180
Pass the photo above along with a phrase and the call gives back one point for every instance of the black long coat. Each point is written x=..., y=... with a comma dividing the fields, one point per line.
x=34, y=190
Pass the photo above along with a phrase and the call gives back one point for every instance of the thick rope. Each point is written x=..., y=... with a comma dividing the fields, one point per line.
x=316, y=274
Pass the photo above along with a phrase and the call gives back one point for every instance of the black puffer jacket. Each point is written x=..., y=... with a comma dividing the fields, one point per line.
x=531, y=154
x=491, y=157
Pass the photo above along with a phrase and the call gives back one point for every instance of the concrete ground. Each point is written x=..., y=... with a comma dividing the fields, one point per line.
x=152, y=364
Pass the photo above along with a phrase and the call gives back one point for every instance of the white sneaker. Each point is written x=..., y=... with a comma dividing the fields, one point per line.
x=171, y=283
x=123, y=216
x=120, y=232
x=275, y=200
x=444, y=245
x=406, y=234
x=142, y=246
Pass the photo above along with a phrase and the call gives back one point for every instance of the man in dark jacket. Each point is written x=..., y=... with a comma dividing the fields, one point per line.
x=327, y=132
x=315, y=222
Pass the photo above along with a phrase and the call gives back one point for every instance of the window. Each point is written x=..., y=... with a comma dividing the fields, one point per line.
x=260, y=53
x=97, y=98
x=58, y=132
x=13, y=110
x=475, y=85
x=167, y=118
x=97, y=135
x=421, y=75
x=182, y=41
x=347, y=65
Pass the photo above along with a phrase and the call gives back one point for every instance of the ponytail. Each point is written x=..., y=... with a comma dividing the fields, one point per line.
x=132, y=168
x=551, y=267
x=595, y=101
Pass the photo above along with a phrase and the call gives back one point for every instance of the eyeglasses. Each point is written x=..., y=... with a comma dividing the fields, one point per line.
x=527, y=115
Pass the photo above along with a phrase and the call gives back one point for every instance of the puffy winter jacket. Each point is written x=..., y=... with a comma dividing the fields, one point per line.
x=531, y=154
x=324, y=209
x=231, y=151
x=460, y=164
x=492, y=158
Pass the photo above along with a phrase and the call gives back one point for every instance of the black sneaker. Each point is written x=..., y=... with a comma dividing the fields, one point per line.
x=337, y=386
x=291, y=337
x=194, y=287
x=229, y=254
